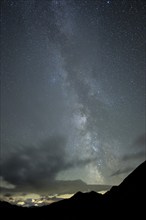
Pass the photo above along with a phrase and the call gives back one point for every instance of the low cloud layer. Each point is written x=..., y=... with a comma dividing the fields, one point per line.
x=37, y=166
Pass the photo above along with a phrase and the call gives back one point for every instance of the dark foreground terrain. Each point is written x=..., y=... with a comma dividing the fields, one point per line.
x=126, y=201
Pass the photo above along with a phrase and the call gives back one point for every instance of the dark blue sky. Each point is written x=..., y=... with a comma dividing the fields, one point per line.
x=72, y=90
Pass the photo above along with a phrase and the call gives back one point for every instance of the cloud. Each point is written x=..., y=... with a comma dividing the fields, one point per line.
x=122, y=171
x=38, y=166
x=139, y=148
x=35, y=166
x=138, y=152
x=140, y=141
x=5, y=184
x=135, y=155
x=80, y=162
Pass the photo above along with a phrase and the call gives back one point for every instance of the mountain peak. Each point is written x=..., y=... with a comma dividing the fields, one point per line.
x=126, y=199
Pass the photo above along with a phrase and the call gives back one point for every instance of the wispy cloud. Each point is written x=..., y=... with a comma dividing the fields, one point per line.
x=139, y=146
x=140, y=141
x=122, y=171
x=135, y=155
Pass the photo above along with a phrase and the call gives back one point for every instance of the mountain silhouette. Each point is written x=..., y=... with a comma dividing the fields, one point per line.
x=124, y=201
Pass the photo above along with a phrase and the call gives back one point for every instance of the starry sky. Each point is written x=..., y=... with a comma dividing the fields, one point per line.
x=72, y=91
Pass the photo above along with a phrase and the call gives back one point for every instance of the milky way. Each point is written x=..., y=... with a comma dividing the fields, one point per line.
x=72, y=90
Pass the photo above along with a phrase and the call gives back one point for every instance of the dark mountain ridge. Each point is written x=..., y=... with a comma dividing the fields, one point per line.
x=125, y=200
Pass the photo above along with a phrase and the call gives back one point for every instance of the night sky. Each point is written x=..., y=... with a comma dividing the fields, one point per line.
x=72, y=91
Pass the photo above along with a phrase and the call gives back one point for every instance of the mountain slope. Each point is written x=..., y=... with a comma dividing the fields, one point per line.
x=125, y=200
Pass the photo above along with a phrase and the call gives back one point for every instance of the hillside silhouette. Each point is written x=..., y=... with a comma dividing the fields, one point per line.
x=125, y=200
